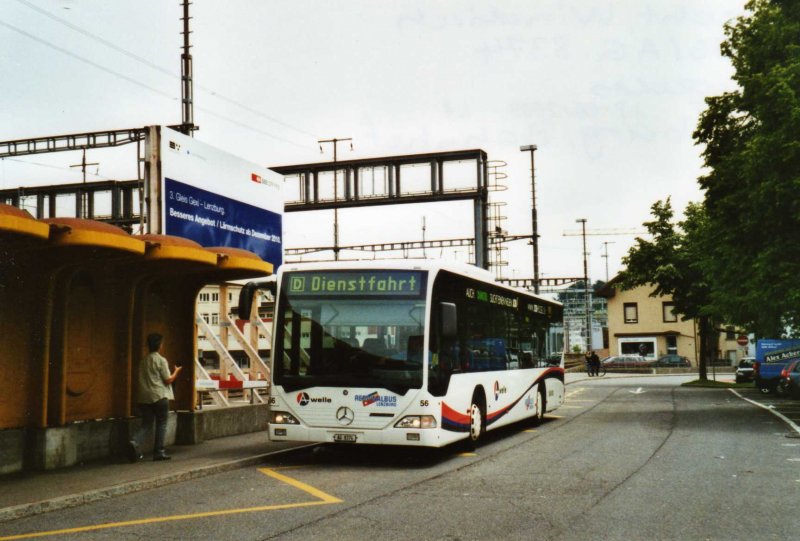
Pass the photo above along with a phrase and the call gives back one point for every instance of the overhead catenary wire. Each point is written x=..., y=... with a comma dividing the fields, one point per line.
x=158, y=68
x=49, y=166
x=141, y=84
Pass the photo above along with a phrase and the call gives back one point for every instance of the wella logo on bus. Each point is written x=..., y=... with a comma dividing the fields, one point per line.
x=303, y=399
x=498, y=390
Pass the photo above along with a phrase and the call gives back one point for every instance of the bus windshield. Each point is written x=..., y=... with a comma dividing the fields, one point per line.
x=346, y=333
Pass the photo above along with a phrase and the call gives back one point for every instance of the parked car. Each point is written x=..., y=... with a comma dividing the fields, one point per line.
x=626, y=361
x=790, y=379
x=672, y=361
x=744, y=372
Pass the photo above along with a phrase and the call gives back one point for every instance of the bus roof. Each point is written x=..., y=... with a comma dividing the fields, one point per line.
x=431, y=265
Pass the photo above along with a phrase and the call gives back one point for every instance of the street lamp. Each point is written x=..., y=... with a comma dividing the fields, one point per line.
x=534, y=226
x=587, y=289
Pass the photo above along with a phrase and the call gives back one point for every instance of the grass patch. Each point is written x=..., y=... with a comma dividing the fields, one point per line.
x=717, y=384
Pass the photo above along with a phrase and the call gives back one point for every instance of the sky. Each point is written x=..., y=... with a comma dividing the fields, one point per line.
x=610, y=93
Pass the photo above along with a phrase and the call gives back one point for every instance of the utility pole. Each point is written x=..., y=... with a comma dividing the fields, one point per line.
x=335, y=142
x=424, y=255
x=587, y=287
x=605, y=254
x=534, y=225
x=84, y=213
x=187, y=85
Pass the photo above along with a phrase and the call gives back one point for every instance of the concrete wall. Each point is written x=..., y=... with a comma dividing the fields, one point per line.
x=198, y=426
x=60, y=447
x=12, y=450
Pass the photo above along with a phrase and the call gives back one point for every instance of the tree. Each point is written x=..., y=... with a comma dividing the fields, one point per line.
x=671, y=263
x=752, y=189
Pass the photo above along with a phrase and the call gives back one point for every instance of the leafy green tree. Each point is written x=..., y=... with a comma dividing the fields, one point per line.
x=670, y=263
x=751, y=139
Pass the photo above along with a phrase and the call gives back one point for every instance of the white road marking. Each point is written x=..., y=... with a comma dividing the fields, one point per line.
x=772, y=410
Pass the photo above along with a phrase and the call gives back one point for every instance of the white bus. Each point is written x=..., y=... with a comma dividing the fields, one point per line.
x=407, y=353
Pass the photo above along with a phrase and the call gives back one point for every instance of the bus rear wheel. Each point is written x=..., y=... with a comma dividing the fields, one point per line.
x=475, y=422
x=542, y=404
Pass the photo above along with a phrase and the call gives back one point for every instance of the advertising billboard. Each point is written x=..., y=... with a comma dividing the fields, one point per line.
x=770, y=346
x=217, y=199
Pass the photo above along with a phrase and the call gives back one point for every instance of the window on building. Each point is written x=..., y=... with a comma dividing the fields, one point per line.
x=204, y=297
x=205, y=317
x=730, y=333
x=215, y=297
x=631, y=312
x=215, y=319
x=668, y=312
x=646, y=347
x=672, y=345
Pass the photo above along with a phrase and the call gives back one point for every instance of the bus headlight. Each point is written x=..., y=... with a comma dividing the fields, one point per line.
x=283, y=418
x=416, y=421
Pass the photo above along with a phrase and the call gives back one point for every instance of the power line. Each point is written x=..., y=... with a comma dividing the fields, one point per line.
x=140, y=84
x=87, y=61
x=27, y=162
x=158, y=68
x=251, y=128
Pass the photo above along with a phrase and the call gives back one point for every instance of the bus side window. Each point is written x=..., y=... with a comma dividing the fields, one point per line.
x=444, y=354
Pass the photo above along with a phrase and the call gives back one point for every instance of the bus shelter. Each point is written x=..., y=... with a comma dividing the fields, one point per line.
x=77, y=300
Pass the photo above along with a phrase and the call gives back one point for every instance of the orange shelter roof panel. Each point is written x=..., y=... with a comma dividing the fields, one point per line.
x=167, y=247
x=92, y=234
x=240, y=263
x=18, y=224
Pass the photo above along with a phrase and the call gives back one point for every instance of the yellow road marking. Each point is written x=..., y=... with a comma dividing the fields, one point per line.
x=550, y=416
x=467, y=454
x=530, y=430
x=324, y=499
x=571, y=407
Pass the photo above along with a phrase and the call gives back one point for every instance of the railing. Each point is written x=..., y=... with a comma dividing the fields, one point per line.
x=251, y=388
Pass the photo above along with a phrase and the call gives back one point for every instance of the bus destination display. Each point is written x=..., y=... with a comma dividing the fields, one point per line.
x=356, y=283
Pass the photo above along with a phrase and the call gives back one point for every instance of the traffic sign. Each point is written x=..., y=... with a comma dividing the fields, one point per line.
x=742, y=340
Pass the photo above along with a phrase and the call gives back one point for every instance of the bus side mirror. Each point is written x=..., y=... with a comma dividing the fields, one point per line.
x=248, y=292
x=449, y=319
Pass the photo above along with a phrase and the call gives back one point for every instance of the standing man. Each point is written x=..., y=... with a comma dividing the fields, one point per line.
x=154, y=393
x=595, y=360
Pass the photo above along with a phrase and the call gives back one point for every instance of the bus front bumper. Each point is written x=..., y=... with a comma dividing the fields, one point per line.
x=394, y=436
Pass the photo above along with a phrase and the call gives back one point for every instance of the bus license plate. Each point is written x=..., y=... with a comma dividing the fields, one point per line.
x=345, y=438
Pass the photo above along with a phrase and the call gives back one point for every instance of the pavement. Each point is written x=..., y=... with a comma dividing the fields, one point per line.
x=32, y=493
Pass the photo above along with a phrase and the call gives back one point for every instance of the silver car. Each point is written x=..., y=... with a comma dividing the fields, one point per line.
x=626, y=361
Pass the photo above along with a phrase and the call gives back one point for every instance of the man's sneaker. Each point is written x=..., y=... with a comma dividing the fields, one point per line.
x=133, y=453
x=161, y=456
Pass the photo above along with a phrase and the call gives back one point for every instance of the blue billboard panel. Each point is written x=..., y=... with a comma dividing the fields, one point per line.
x=214, y=220
x=763, y=347
x=218, y=199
